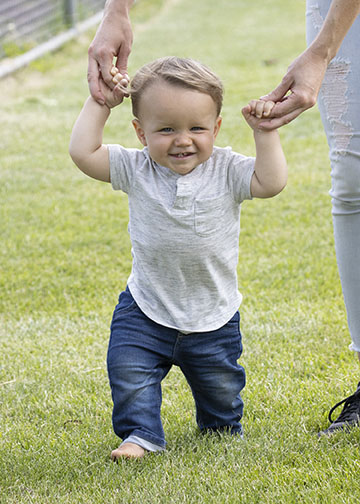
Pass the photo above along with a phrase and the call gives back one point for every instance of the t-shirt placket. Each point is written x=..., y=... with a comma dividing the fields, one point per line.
x=184, y=195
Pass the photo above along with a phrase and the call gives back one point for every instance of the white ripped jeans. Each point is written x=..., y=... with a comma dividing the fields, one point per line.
x=339, y=105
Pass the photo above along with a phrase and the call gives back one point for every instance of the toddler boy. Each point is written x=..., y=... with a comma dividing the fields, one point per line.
x=180, y=306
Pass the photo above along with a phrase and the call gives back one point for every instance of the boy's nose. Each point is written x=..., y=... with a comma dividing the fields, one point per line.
x=183, y=140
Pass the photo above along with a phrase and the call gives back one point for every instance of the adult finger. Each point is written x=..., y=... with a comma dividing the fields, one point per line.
x=93, y=77
x=277, y=122
x=105, y=60
x=297, y=101
x=123, y=56
x=280, y=91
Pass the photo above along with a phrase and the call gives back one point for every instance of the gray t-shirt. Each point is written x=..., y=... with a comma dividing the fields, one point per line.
x=184, y=231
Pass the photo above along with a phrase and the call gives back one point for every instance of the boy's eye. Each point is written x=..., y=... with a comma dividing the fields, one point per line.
x=197, y=128
x=166, y=130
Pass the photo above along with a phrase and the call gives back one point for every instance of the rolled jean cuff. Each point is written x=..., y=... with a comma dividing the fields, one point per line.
x=354, y=347
x=147, y=445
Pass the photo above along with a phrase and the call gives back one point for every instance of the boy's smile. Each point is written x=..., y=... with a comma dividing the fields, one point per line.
x=178, y=125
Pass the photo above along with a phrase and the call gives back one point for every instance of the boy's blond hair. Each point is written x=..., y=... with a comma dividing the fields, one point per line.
x=183, y=72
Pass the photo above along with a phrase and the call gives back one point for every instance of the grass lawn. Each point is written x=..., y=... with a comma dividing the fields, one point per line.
x=65, y=256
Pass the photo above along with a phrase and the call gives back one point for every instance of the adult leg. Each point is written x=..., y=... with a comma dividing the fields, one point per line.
x=339, y=105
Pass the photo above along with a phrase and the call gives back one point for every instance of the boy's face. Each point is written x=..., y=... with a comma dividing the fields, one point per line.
x=178, y=125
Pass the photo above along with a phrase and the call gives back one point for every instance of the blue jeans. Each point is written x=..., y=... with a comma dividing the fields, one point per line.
x=140, y=355
x=339, y=105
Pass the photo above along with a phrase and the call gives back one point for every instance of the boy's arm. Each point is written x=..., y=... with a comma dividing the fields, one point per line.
x=86, y=148
x=270, y=175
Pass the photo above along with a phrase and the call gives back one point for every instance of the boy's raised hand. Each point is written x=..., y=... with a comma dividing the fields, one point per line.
x=255, y=112
x=115, y=96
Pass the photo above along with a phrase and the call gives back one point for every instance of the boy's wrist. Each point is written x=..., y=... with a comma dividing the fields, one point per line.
x=266, y=139
x=96, y=104
x=265, y=134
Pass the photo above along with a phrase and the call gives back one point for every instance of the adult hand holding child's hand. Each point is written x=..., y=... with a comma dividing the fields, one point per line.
x=256, y=111
x=115, y=96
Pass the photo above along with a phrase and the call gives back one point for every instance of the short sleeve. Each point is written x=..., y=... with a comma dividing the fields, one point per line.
x=123, y=163
x=240, y=171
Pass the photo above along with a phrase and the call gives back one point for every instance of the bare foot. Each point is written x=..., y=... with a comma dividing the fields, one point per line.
x=128, y=450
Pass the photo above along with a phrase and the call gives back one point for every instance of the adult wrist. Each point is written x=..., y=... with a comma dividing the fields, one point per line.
x=323, y=50
x=117, y=7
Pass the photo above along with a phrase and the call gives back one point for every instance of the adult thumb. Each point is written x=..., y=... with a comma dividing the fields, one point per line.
x=280, y=91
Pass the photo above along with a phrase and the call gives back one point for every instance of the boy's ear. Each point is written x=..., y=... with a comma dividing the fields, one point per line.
x=139, y=131
x=217, y=126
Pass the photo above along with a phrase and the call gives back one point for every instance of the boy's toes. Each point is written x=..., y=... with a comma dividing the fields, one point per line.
x=128, y=450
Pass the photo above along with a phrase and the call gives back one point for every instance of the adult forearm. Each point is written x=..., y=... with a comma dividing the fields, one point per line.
x=112, y=39
x=340, y=17
x=305, y=74
x=117, y=7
